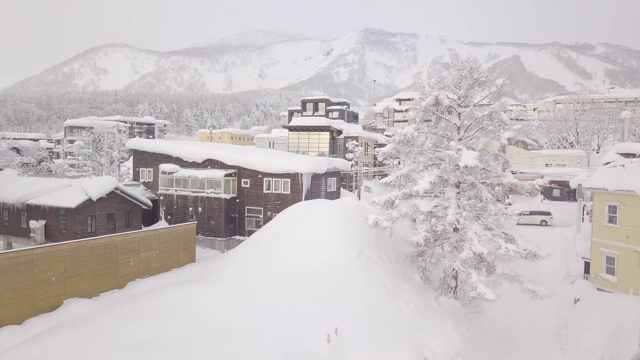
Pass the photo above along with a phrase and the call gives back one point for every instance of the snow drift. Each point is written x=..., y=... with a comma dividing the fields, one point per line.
x=315, y=268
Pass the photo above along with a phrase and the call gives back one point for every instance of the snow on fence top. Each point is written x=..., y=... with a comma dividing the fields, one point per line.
x=565, y=152
x=175, y=170
x=57, y=192
x=264, y=160
x=620, y=175
x=231, y=131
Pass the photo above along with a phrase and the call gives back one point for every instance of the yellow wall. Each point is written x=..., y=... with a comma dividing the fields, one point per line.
x=225, y=138
x=37, y=280
x=623, y=240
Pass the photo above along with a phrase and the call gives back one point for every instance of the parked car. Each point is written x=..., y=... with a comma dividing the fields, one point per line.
x=535, y=217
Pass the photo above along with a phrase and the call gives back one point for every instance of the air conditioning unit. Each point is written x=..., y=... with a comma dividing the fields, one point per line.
x=37, y=231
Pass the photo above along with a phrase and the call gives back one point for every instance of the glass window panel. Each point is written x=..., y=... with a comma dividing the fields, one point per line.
x=277, y=185
x=166, y=182
x=198, y=184
x=286, y=186
x=227, y=186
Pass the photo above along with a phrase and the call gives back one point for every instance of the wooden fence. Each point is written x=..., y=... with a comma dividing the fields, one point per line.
x=39, y=279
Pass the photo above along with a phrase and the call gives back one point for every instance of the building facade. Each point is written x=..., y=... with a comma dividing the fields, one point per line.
x=227, y=136
x=47, y=210
x=230, y=191
x=614, y=262
x=324, y=106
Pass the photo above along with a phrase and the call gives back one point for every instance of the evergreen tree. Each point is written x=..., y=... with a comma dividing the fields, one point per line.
x=451, y=192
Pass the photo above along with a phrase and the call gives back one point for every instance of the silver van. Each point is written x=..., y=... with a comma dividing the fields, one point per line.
x=535, y=217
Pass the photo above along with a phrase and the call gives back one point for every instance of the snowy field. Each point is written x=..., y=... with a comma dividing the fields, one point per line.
x=318, y=269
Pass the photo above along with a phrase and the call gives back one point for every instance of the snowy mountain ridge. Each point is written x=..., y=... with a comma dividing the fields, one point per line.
x=363, y=65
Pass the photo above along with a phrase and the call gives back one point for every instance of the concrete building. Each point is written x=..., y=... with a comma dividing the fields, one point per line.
x=227, y=136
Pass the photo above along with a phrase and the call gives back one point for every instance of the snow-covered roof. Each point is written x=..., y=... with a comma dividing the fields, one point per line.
x=89, y=122
x=18, y=135
x=128, y=119
x=620, y=175
x=335, y=100
x=295, y=108
x=264, y=160
x=337, y=107
x=176, y=170
x=228, y=130
x=275, y=133
x=407, y=96
x=560, y=152
x=626, y=148
x=346, y=128
x=58, y=192
x=59, y=135
x=259, y=128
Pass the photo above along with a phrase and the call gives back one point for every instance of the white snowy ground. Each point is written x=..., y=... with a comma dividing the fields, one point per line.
x=319, y=266
x=599, y=326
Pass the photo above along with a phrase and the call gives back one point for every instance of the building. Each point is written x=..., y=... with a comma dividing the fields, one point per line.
x=39, y=210
x=230, y=190
x=400, y=112
x=614, y=261
x=277, y=139
x=84, y=135
x=324, y=106
x=227, y=136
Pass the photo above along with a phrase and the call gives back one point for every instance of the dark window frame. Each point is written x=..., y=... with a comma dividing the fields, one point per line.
x=91, y=224
x=23, y=219
x=128, y=219
x=111, y=224
x=62, y=221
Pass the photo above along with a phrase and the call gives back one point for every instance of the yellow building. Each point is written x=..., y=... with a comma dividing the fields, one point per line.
x=227, y=136
x=614, y=263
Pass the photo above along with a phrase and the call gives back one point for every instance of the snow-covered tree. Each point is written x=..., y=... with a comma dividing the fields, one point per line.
x=354, y=154
x=451, y=192
x=101, y=151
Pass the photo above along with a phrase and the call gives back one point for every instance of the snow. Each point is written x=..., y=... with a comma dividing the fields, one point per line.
x=203, y=173
x=620, y=175
x=230, y=131
x=334, y=100
x=265, y=160
x=610, y=157
x=89, y=122
x=55, y=192
x=340, y=292
x=337, y=107
x=283, y=133
x=23, y=136
x=469, y=158
x=346, y=128
x=569, y=152
x=608, y=277
x=626, y=148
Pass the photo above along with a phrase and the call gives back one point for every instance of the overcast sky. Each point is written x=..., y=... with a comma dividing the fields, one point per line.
x=37, y=34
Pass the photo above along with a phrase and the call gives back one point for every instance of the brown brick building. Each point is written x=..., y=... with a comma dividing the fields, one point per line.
x=38, y=210
x=230, y=190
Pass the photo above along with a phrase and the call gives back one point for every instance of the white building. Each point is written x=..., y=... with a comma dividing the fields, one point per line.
x=277, y=139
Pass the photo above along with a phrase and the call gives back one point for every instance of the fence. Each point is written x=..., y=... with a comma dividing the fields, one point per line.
x=37, y=280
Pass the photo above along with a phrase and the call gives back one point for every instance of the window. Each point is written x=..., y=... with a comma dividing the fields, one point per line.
x=277, y=185
x=91, y=223
x=334, y=114
x=5, y=217
x=146, y=174
x=267, y=186
x=321, y=108
x=253, y=219
x=331, y=184
x=610, y=261
x=286, y=186
x=253, y=224
x=128, y=219
x=555, y=193
x=62, y=221
x=23, y=219
x=111, y=222
x=308, y=108
x=612, y=213
x=227, y=186
x=246, y=182
x=253, y=211
x=192, y=214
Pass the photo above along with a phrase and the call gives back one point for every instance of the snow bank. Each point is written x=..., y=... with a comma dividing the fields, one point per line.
x=278, y=295
x=265, y=160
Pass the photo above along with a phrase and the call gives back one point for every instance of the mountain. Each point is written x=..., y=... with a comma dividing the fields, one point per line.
x=363, y=65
